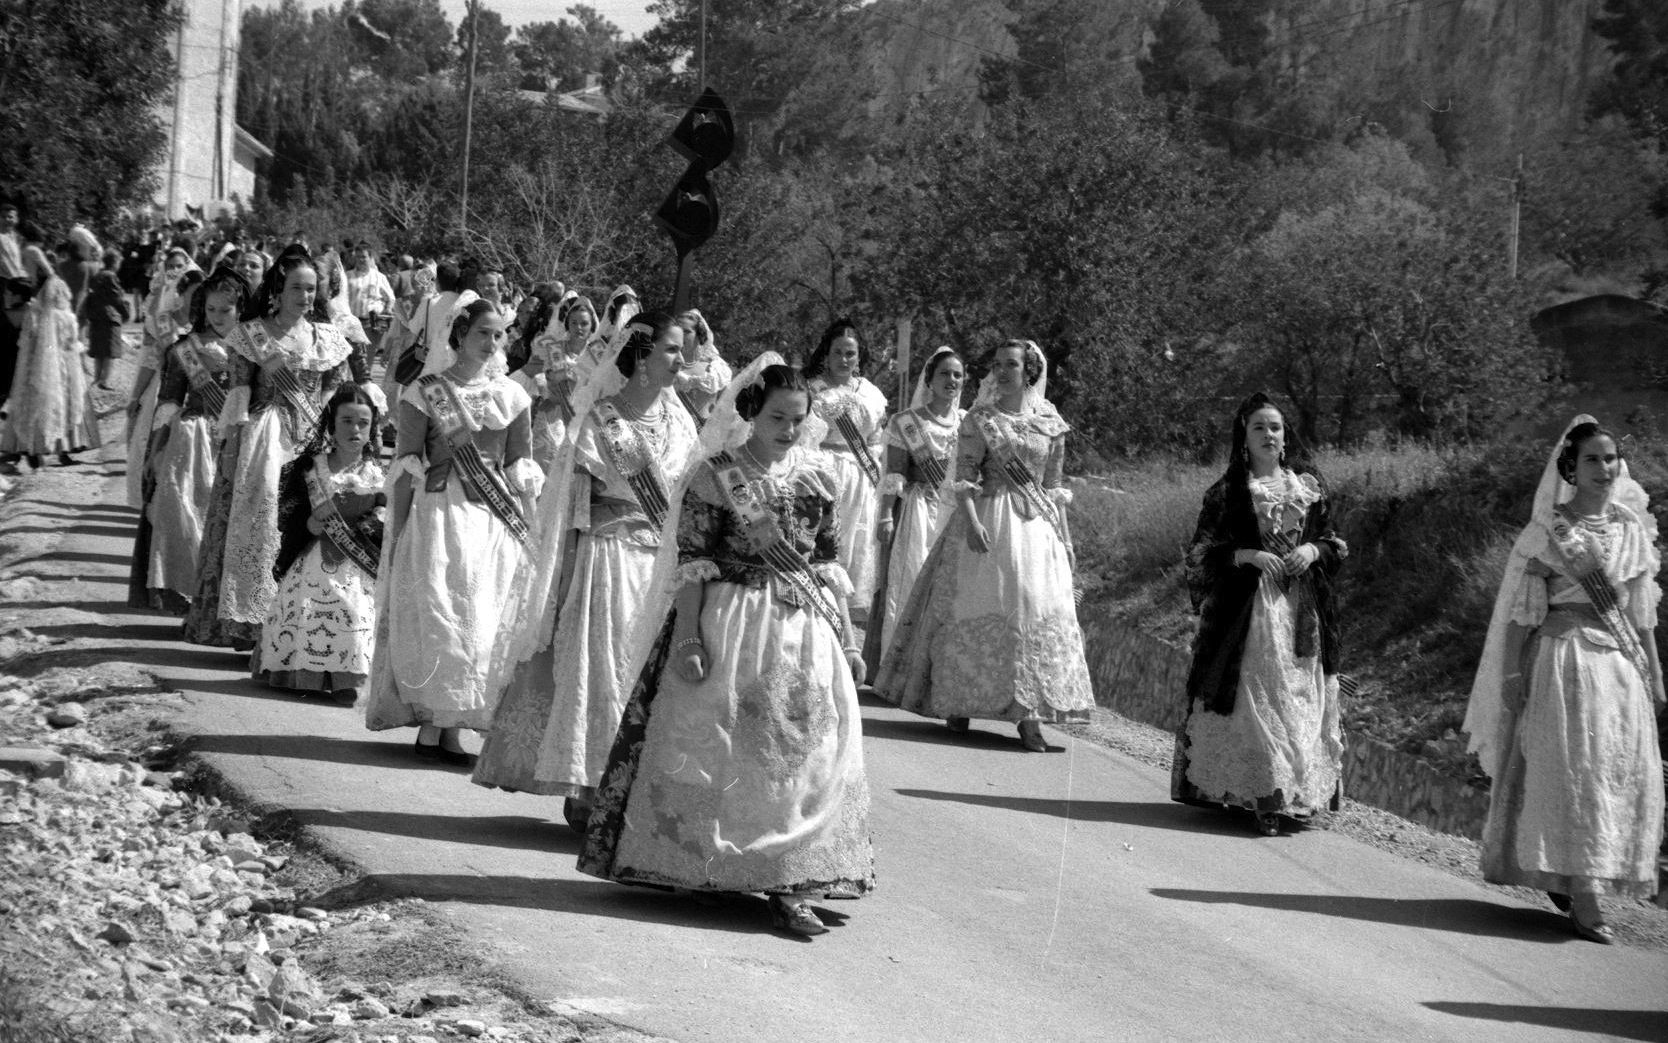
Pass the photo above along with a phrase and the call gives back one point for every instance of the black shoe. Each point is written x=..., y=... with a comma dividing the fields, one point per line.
x=1560, y=901
x=578, y=815
x=429, y=751
x=795, y=917
x=457, y=757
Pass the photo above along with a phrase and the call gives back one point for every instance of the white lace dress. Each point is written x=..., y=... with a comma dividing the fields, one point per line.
x=277, y=427
x=994, y=635
x=320, y=632
x=47, y=411
x=443, y=584
x=925, y=507
x=555, y=722
x=1282, y=739
x=858, y=494
x=1577, y=808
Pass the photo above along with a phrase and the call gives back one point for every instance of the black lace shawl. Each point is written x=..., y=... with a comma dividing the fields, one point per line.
x=1222, y=592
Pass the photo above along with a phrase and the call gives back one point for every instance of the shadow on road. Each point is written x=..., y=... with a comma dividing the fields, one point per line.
x=514, y=832
x=112, y=530
x=1649, y=1025
x=1460, y=915
x=367, y=752
x=1153, y=814
x=728, y=913
x=926, y=730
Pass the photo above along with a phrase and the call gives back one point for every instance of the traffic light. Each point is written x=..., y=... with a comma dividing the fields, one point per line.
x=705, y=136
x=690, y=213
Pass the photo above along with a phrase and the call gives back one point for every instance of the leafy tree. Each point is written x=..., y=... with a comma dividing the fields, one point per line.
x=759, y=53
x=492, y=56
x=82, y=79
x=558, y=55
x=1637, y=88
x=400, y=39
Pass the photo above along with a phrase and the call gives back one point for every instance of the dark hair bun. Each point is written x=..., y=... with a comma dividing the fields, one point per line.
x=750, y=401
x=1578, y=435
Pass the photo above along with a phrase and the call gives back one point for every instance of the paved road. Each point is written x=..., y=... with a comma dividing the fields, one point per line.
x=1023, y=897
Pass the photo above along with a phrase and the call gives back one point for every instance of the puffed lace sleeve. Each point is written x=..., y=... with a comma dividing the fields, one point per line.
x=1527, y=571
x=701, y=523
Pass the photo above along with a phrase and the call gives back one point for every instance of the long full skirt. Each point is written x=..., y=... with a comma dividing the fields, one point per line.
x=184, y=468
x=247, y=586
x=442, y=592
x=1280, y=749
x=1578, y=807
x=556, y=720
x=857, y=503
x=751, y=780
x=992, y=635
x=921, y=521
x=204, y=624
x=48, y=409
x=139, y=441
x=320, y=631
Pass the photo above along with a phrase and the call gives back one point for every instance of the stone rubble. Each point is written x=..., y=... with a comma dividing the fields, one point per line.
x=131, y=910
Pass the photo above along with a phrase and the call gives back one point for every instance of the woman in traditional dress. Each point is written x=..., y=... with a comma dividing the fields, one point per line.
x=552, y=373
x=181, y=458
x=1261, y=731
x=920, y=459
x=600, y=520
x=167, y=317
x=739, y=761
x=855, y=412
x=1561, y=712
x=705, y=374
x=318, y=634
x=286, y=363
x=462, y=486
x=47, y=411
x=990, y=630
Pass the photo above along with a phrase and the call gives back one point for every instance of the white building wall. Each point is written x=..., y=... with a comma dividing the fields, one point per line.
x=197, y=167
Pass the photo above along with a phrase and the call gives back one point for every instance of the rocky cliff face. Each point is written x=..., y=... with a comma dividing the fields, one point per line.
x=1477, y=79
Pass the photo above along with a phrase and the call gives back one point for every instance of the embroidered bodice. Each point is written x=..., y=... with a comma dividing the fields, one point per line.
x=176, y=386
x=937, y=441
x=859, y=399
x=312, y=356
x=1280, y=502
x=614, y=447
x=1036, y=439
x=499, y=408
x=715, y=543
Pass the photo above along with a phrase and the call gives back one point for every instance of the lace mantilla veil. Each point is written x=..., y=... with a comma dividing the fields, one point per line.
x=923, y=393
x=1487, y=719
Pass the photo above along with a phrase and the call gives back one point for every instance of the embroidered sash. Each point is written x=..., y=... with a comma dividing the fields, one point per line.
x=354, y=545
x=1002, y=446
x=202, y=381
x=921, y=449
x=631, y=455
x=447, y=410
x=694, y=413
x=855, y=441
x=779, y=555
x=1588, y=569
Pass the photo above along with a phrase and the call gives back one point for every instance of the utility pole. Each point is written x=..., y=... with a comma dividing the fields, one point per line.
x=1517, y=218
x=703, y=48
x=468, y=110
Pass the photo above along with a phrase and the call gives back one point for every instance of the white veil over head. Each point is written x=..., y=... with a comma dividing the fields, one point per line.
x=725, y=429
x=1035, y=394
x=923, y=389
x=442, y=356
x=1488, y=720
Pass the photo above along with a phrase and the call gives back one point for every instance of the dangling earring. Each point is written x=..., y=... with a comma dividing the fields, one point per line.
x=1282, y=456
x=642, y=376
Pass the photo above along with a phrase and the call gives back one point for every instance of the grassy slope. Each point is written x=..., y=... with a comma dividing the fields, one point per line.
x=1428, y=531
